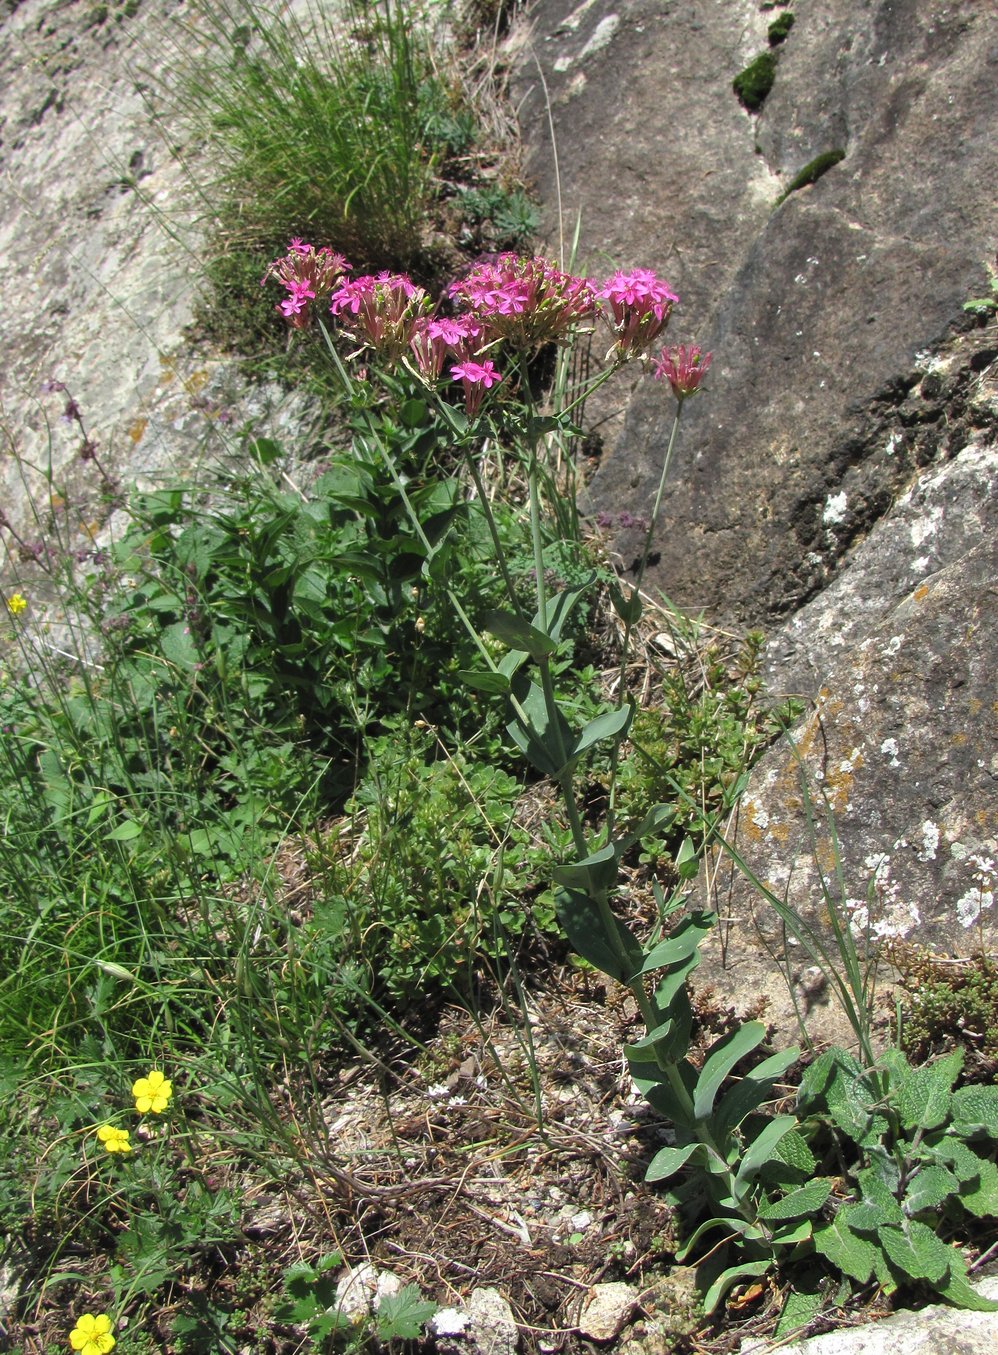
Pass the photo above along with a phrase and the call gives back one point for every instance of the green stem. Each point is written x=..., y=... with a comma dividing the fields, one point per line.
x=493, y=532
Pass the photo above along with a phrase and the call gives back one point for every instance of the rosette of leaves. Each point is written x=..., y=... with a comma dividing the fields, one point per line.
x=918, y=1159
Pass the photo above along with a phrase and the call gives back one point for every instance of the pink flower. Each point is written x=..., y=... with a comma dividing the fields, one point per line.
x=433, y=340
x=476, y=377
x=524, y=300
x=305, y=273
x=684, y=368
x=639, y=305
x=379, y=312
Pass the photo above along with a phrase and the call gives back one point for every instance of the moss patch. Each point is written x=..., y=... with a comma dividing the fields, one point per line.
x=752, y=85
x=812, y=172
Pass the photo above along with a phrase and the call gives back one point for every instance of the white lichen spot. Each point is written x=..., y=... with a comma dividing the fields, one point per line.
x=920, y=564
x=602, y=36
x=893, y=443
x=925, y=527
x=893, y=645
x=930, y=841
x=835, y=509
x=972, y=904
x=889, y=748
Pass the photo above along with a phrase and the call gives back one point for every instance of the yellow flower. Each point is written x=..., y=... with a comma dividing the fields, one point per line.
x=92, y=1335
x=16, y=603
x=152, y=1093
x=114, y=1140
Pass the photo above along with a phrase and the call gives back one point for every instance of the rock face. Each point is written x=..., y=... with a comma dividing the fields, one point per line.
x=100, y=240
x=815, y=309
x=838, y=474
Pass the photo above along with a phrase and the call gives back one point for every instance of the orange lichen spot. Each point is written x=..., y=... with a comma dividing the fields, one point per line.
x=136, y=428
x=958, y=740
x=921, y=592
x=196, y=382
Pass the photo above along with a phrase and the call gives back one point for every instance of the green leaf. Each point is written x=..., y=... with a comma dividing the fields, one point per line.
x=793, y=1150
x=493, y=683
x=561, y=608
x=929, y=1188
x=799, y=1309
x=915, y=1250
x=542, y=741
x=519, y=634
x=734, y=1227
x=667, y=1161
x=837, y=1080
x=177, y=646
x=955, y=1287
x=975, y=1110
x=628, y=609
x=808, y=1200
x=923, y=1098
x=792, y=1233
x=721, y=1058
x=724, y=1281
x=611, y=724
x=978, y=1176
x=127, y=831
x=264, y=450
x=594, y=873
x=763, y=1149
x=618, y=955
x=681, y=944
x=752, y=1091
x=402, y=1316
x=687, y=862
x=848, y=1252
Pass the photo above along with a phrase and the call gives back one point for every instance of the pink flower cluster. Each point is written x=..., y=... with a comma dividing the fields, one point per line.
x=305, y=273
x=524, y=301
x=513, y=300
x=683, y=367
x=639, y=305
x=379, y=311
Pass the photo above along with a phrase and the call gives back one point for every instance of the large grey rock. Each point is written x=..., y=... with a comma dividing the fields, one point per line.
x=815, y=310
x=937, y=1330
x=101, y=242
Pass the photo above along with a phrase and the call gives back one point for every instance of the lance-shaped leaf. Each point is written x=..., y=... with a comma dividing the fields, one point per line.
x=657, y=818
x=915, y=1250
x=762, y=1150
x=975, y=1109
x=667, y=1161
x=720, y=1060
x=542, y=740
x=682, y=943
x=734, y=1227
x=628, y=609
x=561, y=608
x=617, y=954
x=492, y=682
x=519, y=634
x=753, y=1090
x=596, y=874
x=799, y=1203
x=727, y=1278
x=612, y=724
x=653, y=1084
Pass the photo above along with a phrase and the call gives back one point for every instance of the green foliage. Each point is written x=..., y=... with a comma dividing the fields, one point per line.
x=752, y=85
x=905, y=1135
x=315, y=126
x=946, y=1001
x=311, y=1300
x=706, y=728
x=505, y=219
